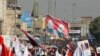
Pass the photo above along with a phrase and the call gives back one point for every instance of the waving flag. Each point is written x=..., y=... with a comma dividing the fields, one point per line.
x=61, y=28
x=49, y=25
x=57, y=26
x=31, y=39
x=3, y=48
x=26, y=17
x=66, y=29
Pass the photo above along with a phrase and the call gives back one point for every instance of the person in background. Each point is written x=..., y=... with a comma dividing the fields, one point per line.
x=63, y=52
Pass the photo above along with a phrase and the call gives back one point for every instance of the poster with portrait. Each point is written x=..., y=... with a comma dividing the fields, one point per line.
x=84, y=45
x=98, y=49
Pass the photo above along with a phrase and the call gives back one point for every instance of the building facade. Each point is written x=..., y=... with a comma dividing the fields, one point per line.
x=9, y=16
x=2, y=15
x=80, y=27
x=75, y=30
x=85, y=21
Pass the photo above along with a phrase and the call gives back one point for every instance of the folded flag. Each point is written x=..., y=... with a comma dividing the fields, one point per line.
x=31, y=39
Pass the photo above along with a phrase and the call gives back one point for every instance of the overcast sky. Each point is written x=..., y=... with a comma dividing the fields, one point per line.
x=64, y=8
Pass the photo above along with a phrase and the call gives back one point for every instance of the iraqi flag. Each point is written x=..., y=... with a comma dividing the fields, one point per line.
x=3, y=48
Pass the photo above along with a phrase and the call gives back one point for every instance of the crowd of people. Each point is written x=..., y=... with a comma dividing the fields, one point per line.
x=49, y=51
x=19, y=48
x=53, y=50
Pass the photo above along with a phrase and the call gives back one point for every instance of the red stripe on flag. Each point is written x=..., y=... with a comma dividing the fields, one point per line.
x=59, y=25
x=4, y=50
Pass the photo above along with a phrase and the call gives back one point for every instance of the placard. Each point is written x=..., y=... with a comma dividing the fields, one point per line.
x=84, y=45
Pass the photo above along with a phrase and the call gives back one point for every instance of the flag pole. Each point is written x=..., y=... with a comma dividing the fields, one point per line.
x=34, y=17
x=15, y=16
x=49, y=6
x=55, y=16
x=55, y=9
x=73, y=13
x=4, y=19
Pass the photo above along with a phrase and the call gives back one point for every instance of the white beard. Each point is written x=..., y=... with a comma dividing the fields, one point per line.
x=0, y=50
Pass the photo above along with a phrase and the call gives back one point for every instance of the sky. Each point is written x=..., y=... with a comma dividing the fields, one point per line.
x=64, y=8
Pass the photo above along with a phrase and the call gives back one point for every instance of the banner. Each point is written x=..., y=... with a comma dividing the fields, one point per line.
x=58, y=27
x=84, y=45
x=98, y=49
